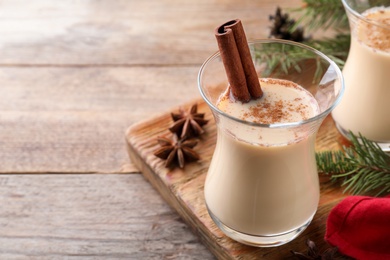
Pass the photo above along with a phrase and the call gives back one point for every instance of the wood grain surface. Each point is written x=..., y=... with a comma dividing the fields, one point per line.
x=73, y=76
x=74, y=119
x=123, y=32
x=81, y=216
x=183, y=188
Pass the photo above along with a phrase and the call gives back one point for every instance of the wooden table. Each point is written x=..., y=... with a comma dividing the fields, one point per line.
x=74, y=75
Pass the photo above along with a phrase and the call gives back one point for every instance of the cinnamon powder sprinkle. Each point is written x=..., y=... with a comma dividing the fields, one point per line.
x=277, y=112
x=378, y=37
x=283, y=102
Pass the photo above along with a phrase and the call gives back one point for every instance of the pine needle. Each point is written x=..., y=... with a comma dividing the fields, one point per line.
x=280, y=59
x=322, y=14
x=315, y=15
x=363, y=168
x=336, y=48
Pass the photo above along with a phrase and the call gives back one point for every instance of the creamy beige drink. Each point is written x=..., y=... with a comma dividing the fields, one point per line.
x=268, y=182
x=365, y=105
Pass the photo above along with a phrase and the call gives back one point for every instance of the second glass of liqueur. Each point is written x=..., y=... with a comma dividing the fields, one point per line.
x=262, y=186
x=365, y=106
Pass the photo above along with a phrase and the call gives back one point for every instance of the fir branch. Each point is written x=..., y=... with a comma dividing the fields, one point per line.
x=281, y=58
x=322, y=14
x=284, y=27
x=332, y=162
x=362, y=168
x=336, y=48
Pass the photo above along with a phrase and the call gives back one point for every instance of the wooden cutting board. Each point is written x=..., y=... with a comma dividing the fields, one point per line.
x=183, y=189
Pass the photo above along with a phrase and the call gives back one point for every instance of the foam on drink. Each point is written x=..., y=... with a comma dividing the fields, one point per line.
x=282, y=102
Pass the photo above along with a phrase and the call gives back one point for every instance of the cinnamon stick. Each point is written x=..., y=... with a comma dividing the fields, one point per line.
x=237, y=60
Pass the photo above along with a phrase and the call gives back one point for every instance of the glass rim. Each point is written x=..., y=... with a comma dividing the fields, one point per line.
x=277, y=125
x=358, y=15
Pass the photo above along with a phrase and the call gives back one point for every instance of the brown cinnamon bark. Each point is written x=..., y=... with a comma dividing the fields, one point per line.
x=237, y=61
x=232, y=63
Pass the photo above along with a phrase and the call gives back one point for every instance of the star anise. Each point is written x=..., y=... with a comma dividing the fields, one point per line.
x=188, y=123
x=176, y=150
x=314, y=254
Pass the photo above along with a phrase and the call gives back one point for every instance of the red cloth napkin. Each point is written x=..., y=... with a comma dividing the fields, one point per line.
x=359, y=227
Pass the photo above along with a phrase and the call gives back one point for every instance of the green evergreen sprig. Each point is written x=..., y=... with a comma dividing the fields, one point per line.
x=363, y=168
x=281, y=58
x=322, y=14
x=335, y=48
x=316, y=15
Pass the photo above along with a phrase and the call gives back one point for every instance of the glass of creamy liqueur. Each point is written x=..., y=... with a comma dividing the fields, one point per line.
x=262, y=185
x=365, y=107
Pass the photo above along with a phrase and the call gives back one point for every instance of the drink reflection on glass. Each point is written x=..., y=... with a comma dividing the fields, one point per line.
x=365, y=105
x=262, y=186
